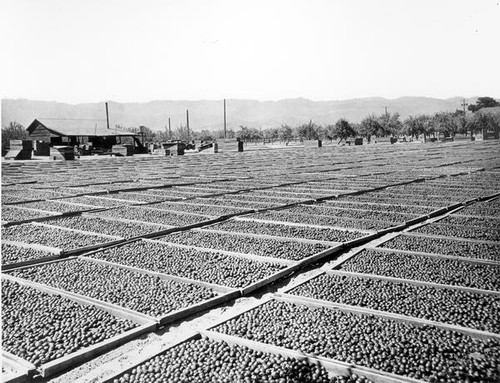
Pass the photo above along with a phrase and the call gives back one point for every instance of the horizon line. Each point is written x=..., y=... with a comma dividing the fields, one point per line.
x=239, y=99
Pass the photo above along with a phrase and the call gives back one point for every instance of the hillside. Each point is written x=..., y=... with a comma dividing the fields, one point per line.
x=209, y=114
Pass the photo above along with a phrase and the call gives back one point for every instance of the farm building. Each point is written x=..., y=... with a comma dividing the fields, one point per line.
x=77, y=131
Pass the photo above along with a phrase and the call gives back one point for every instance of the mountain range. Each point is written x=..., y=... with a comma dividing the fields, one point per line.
x=209, y=114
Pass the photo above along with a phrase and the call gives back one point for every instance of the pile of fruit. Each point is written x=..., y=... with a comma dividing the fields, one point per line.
x=15, y=254
x=445, y=246
x=452, y=306
x=326, y=220
x=100, y=225
x=51, y=236
x=425, y=268
x=420, y=352
x=459, y=231
x=290, y=231
x=207, y=266
x=12, y=213
x=266, y=247
x=41, y=327
x=141, y=292
x=147, y=214
x=205, y=360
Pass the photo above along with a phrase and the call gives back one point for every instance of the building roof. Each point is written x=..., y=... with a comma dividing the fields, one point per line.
x=77, y=127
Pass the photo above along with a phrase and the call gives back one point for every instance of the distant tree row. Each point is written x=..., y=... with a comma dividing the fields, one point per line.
x=385, y=125
x=14, y=131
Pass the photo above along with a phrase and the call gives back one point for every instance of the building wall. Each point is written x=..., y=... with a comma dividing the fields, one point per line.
x=40, y=133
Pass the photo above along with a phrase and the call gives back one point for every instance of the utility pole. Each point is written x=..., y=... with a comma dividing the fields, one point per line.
x=464, y=105
x=225, y=131
x=187, y=123
x=386, y=111
x=169, y=130
x=107, y=116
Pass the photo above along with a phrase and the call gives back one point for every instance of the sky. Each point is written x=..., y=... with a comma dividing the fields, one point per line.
x=78, y=51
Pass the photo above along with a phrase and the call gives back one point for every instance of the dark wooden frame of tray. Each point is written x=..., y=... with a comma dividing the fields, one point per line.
x=87, y=353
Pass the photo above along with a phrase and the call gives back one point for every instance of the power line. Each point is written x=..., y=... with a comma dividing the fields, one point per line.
x=225, y=132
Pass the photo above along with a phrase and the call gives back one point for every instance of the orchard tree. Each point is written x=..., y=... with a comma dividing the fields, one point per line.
x=483, y=102
x=285, y=133
x=462, y=121
x=417, y=125
x=444, y=123
x=230, y=134
x=271, y=134
x=162, y=135
x=308, y=131
x=15, y=131
x=369, y=126
x=249, y=134
x=147, y=134
x=330, y=132
x=390, y=125
x=343, y=130
x=205, y=135
x=484, y=122
x=181, y=133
